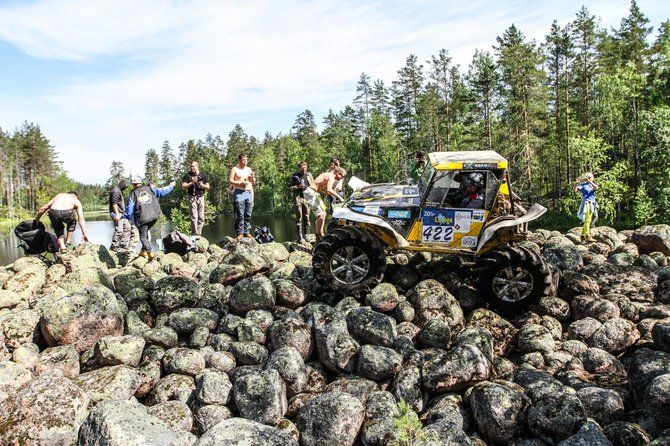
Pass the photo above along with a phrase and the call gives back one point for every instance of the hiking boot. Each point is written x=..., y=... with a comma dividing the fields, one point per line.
x=151, y=256
x=248, y=236
x=589, y=239
x=144, y=254
x=240, y=236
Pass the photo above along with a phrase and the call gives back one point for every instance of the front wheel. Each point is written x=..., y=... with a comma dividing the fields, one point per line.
x=512, y=279
x=348, y=260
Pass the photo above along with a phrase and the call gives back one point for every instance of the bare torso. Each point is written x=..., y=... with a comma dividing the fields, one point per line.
x=64, y=201
x=321, y=182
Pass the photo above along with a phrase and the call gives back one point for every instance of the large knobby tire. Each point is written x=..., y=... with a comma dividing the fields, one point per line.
x=348, y=260
x=512, y=278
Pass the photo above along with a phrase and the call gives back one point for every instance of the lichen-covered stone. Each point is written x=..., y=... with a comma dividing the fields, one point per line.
x=116, y=350
x=254, y=293
x=333, y=419
x=81, y=318
x=499, y=409
x=110, y=383
x=242, y=432
x=173, y=292
x=261, y=397
x=119, y=423
x=45, y=411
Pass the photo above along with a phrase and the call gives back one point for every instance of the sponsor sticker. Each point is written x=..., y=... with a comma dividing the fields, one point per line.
x=478, y=216
x=404, y=214
x=371, y=210
x=462, y=220
x=468, y=241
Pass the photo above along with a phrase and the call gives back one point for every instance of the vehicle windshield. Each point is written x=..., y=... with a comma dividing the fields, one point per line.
x=425, y=178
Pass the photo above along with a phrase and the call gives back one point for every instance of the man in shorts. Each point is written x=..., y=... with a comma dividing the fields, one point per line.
x=64, y=211
x=323, y=183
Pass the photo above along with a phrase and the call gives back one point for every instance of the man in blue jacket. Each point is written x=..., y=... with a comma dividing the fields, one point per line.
x=144, y=210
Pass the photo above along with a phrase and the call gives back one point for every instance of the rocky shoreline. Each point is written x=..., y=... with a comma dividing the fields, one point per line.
x=235, y=344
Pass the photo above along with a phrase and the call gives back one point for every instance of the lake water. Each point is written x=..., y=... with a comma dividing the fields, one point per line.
x=100, y=232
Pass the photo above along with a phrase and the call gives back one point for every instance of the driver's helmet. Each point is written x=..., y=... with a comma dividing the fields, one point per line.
x=475, y=179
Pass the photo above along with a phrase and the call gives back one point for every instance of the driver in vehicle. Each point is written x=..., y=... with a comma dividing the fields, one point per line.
x=470, y=193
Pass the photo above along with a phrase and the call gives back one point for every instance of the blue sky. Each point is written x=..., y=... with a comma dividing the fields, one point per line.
x=109, y=80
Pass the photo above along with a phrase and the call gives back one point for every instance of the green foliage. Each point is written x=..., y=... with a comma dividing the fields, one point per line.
x=643, y=207
x=180, y=219
x=408, y=427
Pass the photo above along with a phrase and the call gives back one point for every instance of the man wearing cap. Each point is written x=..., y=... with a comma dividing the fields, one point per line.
x=121, y=237
x=196, y=183
x=64, y=211
x=144, y=210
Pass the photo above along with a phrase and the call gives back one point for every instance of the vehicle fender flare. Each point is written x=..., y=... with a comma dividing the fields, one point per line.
x=348, y=214
x=535, y=212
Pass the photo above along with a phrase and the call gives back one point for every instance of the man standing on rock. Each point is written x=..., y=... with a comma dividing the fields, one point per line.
x=242, y=180
x=588, y=209
x=121, y=237
x=64, y=211
x=196, y=183
x=145, y=210
x=300, y=180
x=323, y=183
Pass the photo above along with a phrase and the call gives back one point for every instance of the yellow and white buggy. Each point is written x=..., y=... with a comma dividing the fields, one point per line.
x=462, y=204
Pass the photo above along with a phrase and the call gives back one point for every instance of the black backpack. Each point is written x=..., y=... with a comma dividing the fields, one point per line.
x=263, y=235
x=178, y=243
x=147, y=207
x=34, y=238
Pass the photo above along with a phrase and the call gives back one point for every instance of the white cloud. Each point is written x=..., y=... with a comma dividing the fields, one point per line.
x=178, y=69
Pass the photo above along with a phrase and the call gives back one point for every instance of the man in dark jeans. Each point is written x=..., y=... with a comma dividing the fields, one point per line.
x=196, y=183
x=145, y=210
x=121, y=237
x=300, y=180
x=242, y=180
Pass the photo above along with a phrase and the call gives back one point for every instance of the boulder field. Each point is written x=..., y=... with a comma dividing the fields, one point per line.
x=236, y=344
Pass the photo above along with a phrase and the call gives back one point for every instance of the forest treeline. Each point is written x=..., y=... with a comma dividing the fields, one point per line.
x=583, y=99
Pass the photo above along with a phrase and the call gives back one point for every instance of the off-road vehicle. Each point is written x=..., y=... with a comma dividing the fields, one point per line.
x=462, y=204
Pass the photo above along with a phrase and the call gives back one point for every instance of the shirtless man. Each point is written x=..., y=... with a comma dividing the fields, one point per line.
x=242, y=180
x=323, y=183
x=62, y=210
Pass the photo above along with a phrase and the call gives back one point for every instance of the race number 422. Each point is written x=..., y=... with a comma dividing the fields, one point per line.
x=438, y=234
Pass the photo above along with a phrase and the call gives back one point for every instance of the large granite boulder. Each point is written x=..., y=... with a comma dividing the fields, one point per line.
x=243, y=432
x=45, y=411
x=332, y=418
x=123, y=423
x=173, y=292
x=652, y=238
x=82, y=318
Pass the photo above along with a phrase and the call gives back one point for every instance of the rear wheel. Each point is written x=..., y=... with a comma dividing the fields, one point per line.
x=348, y=260
x=512, y=279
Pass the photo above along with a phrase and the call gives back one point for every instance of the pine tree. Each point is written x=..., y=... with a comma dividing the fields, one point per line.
x=586, y=38
x=483, y=79
x=405, y=94
x=524, y=93
x=117, y=172
x=167, y=164
x=151, y=166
